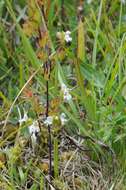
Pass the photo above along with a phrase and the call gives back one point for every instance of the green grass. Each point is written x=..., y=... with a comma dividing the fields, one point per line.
x=92, y=67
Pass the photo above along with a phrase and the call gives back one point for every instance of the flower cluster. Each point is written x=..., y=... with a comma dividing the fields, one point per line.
x=64, y=36
x=68, y=37
x=49, y=120
x=63, y=119
x=33, y=128
x=66, y=95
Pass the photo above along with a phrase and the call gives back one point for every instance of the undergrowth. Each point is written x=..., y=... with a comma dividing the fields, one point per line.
x=62, y=95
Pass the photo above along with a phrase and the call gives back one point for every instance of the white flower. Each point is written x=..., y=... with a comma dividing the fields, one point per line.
x=49, y=120
x=63, y=119
x=68, y=32
x=66, y=95
x=67, y=36
x=24, y=118
x=33, y=130
x=63, y=87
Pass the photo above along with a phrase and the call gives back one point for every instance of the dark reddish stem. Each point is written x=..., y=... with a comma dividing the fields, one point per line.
x=49, y=131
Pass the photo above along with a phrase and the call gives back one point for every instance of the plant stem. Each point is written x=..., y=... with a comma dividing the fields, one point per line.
x=49, y=131
x=62, y=15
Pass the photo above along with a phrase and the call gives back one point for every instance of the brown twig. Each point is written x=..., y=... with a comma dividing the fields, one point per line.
x=75, y=142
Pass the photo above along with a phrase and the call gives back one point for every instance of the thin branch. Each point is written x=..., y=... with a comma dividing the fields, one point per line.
x=75, y=142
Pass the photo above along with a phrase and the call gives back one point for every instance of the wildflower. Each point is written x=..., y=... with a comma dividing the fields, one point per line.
x=66, y=95
x=49, y=120
x=64, y=36
x=34, y=130
x=63, y=119
x=25, y=117
x=67, y=36
x=52, y=119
